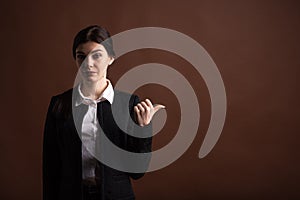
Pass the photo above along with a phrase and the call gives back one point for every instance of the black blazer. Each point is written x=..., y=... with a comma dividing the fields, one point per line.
x=62, y=149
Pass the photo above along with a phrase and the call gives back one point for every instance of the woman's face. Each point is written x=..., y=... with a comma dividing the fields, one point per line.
x=92, y=60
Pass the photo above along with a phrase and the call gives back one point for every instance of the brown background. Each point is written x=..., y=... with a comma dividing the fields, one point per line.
x=255, y=45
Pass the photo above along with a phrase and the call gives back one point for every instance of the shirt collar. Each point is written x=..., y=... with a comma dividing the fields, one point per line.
x=107, y=94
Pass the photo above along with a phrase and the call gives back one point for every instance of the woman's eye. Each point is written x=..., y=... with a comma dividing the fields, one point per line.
x=80, y=57
x=96, y=56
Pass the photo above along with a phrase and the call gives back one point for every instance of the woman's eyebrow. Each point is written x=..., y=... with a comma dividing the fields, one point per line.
x=81, y=52
x=96, y=50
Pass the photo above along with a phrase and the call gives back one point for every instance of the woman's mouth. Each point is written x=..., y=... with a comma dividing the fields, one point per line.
x=89, y=73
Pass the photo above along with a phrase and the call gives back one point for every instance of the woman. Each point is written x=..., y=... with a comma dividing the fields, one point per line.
x=70, y=169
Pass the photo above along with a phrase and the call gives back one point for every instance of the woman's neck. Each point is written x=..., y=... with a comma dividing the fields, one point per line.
x=93, y=90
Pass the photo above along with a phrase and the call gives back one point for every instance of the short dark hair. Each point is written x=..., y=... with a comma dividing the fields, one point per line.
x=96, y=34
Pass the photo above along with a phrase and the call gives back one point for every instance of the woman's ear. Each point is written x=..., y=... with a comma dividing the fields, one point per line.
x=111, y=61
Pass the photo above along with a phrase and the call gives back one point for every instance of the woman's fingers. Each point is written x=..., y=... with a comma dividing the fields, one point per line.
x=149, y=103
x=145, y=106
x=140, y=107
x=145, y=111
x=136, y=109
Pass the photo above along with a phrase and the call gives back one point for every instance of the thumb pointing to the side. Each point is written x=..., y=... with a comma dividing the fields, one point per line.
x=157, y=107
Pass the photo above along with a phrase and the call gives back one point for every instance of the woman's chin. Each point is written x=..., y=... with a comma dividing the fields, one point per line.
x=91, y=79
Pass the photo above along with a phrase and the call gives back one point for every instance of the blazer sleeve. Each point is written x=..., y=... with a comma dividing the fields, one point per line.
x=51, y=158
x=140, y=145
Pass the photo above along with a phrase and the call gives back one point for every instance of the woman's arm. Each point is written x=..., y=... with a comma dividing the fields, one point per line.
x=140, y=145
x=51, y=158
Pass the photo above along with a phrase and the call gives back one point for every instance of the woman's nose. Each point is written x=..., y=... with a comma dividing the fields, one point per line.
x=88, y=62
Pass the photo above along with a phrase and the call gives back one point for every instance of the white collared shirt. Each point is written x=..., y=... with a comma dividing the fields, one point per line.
x=90, y=127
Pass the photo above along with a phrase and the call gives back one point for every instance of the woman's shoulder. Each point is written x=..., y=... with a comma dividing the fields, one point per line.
x=121, y=97
x=122, y=94
x=63, y=95
x=62, y=102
